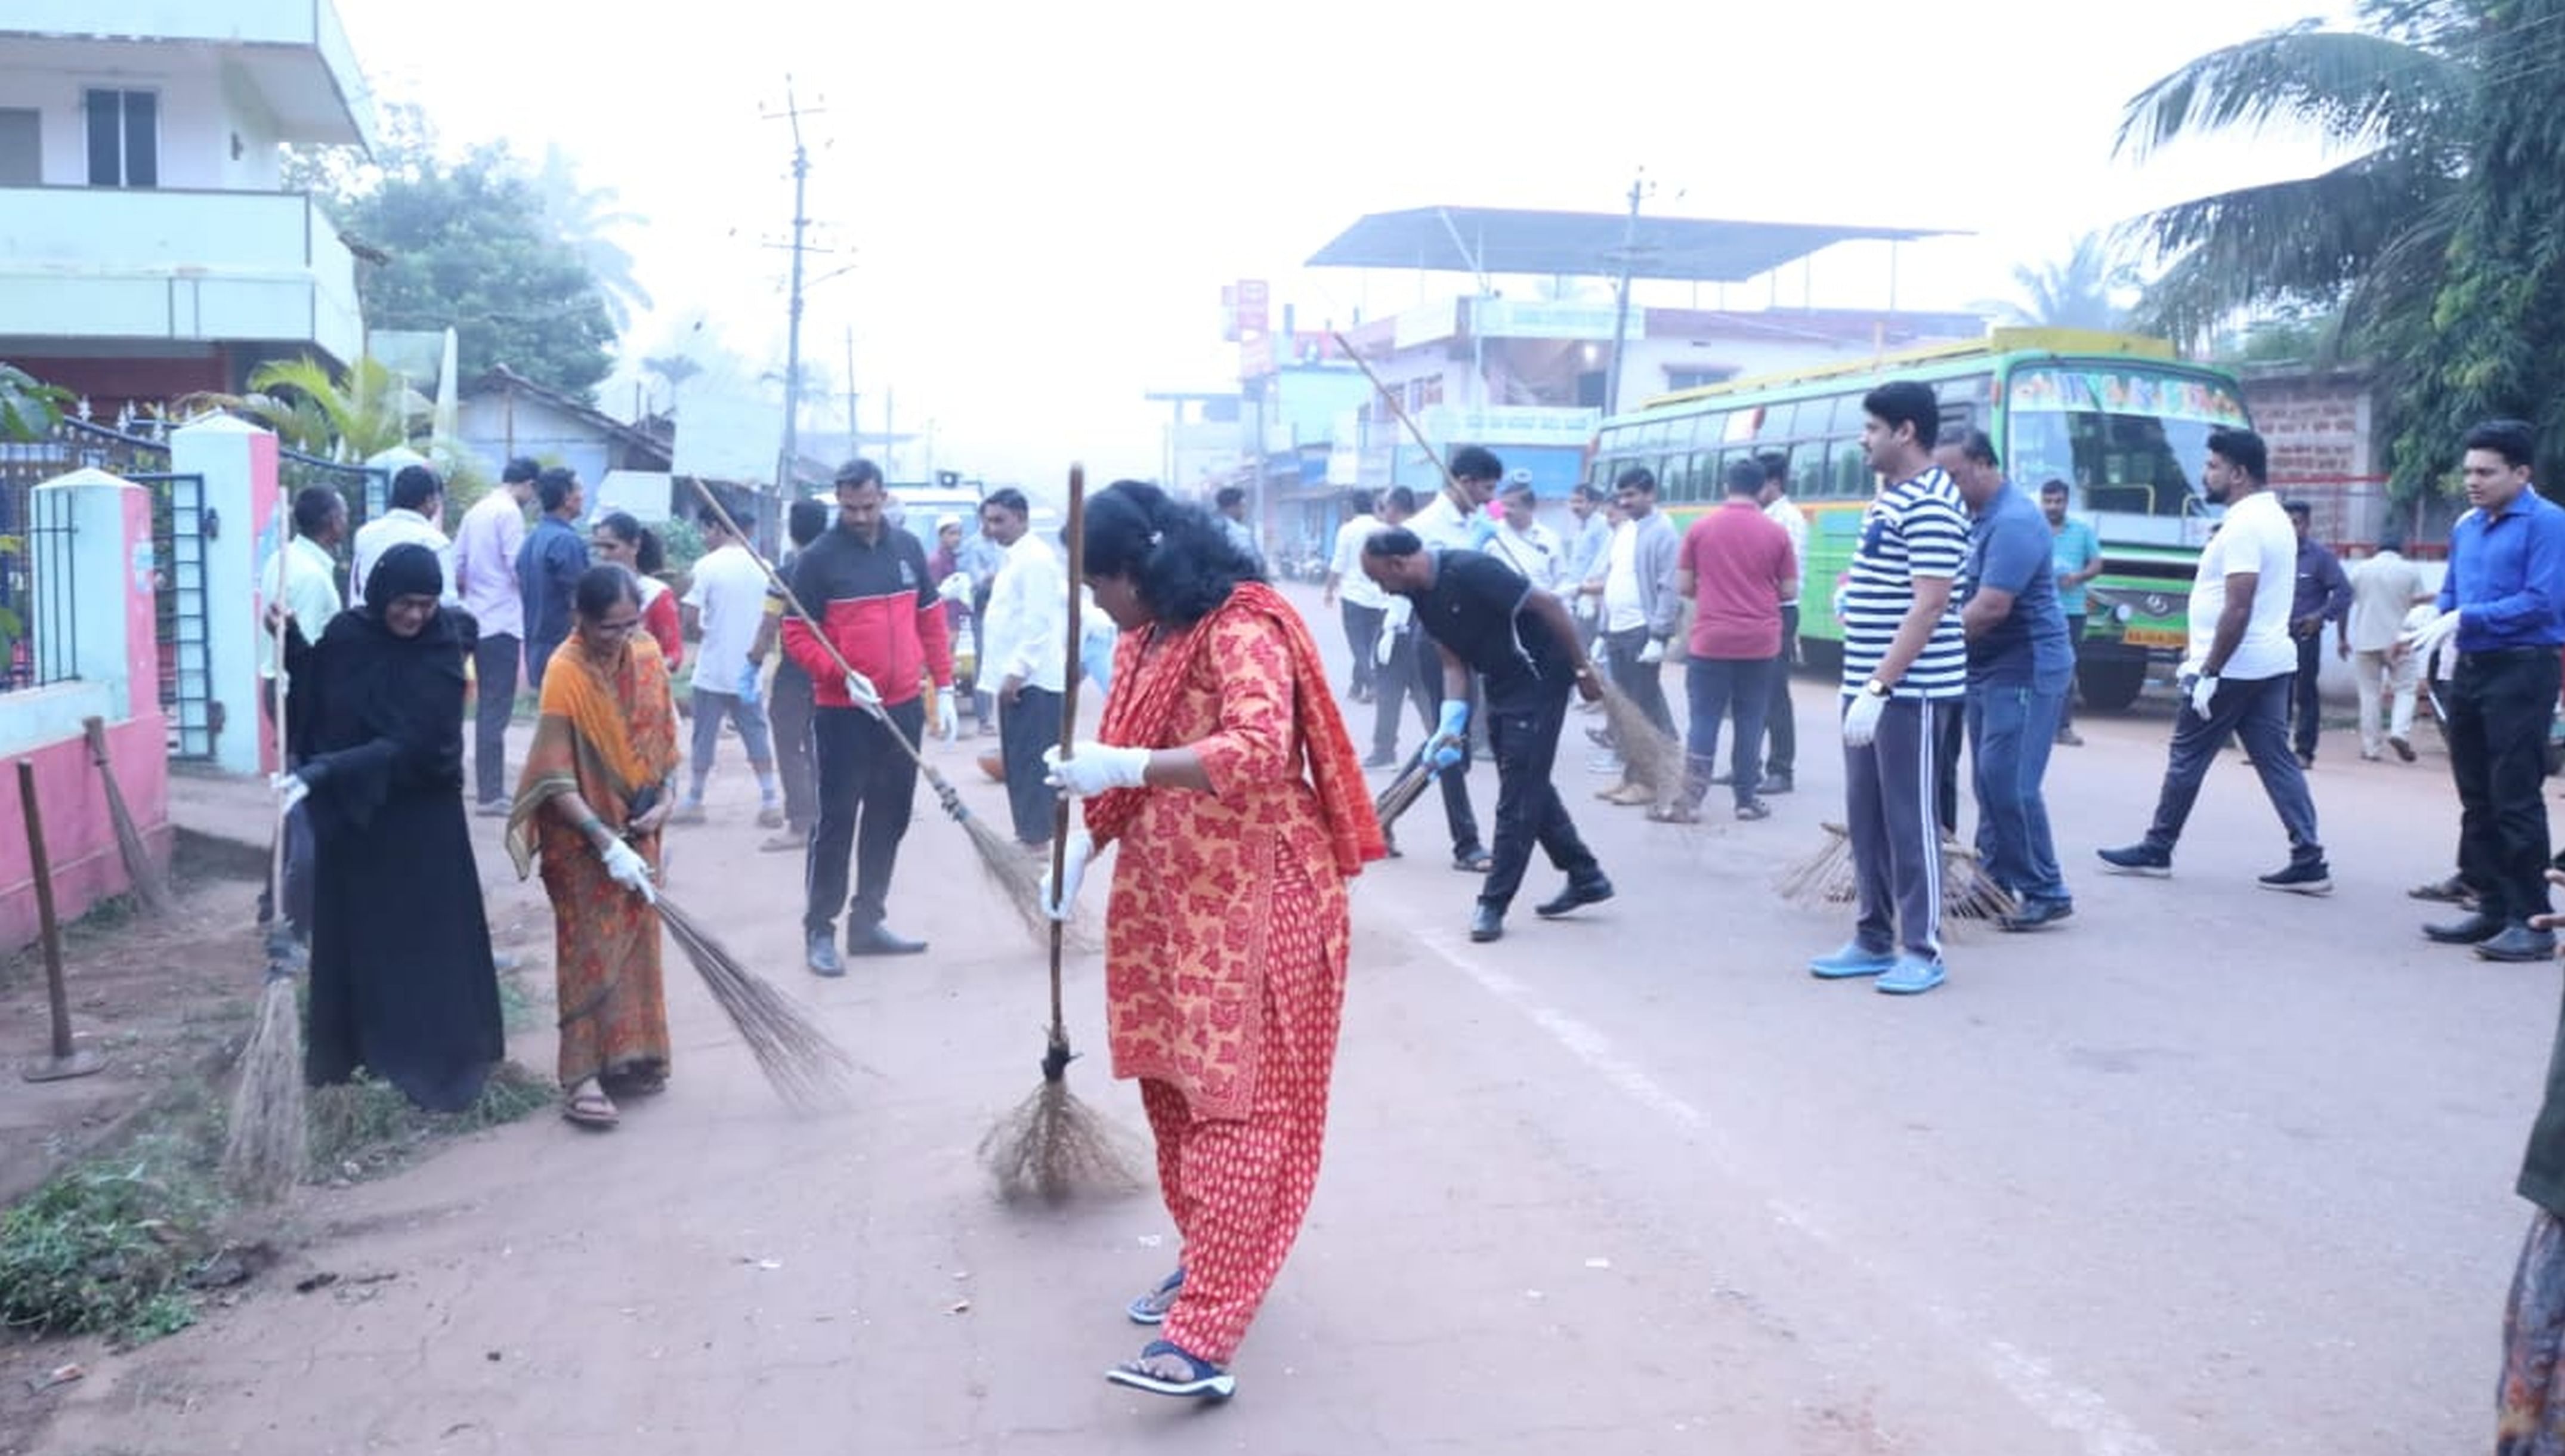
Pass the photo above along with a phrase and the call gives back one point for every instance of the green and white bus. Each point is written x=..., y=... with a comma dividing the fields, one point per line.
x=2117, y=417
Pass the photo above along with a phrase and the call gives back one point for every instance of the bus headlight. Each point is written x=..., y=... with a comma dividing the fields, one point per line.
x=2120, y=613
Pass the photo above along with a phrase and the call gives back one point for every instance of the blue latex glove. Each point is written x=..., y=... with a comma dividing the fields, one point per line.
x=1444, y=751
x=748, y=684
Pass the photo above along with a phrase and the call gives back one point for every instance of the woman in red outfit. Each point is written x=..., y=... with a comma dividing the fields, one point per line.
x=635, y=547
x=1223, y=773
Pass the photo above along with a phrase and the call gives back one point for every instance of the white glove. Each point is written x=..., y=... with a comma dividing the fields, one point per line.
x=2434, y=635
x=291, y=789
x=1095, y=767
x=1861, y=718
x=630, y=869
x=1385, y=648
x=2203, y=690
x=860, y=688
x=1057, y=904
x=1653, y=653
x=955, y=588
x=948, y=719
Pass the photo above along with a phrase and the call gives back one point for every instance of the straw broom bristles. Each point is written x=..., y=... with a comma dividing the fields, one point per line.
x=264, y=1146
x=149, y=886
x=1650, y=756
x=1826, y=878
x=1053, y=1145
x=806, y=1068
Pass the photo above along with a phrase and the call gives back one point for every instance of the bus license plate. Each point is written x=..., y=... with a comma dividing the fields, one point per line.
x=2154, y=636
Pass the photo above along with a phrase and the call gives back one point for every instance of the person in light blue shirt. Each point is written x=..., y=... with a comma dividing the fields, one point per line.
x=2502, y=604
x=2076, y=554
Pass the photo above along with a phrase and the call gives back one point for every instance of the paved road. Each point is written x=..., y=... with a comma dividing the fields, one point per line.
x=2208, y=1170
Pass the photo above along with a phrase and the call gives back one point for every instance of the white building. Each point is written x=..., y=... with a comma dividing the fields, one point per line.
x=146, y=250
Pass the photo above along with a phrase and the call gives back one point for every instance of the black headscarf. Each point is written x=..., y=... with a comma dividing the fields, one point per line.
x=396, y=699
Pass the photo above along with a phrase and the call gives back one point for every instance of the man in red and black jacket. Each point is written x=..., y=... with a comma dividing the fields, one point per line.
x=867, y=579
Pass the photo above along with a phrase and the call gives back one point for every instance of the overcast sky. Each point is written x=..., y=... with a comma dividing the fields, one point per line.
x=1041, y=202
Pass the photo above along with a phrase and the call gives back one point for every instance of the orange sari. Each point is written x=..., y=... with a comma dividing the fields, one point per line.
x=607, y=732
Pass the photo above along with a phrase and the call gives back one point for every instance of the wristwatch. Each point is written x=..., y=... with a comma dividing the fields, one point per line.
x=1875, y=688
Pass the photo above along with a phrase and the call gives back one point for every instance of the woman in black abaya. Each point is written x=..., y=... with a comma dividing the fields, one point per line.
x=401, y=977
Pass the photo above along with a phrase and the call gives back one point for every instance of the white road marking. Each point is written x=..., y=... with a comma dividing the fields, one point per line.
x=2071, y=1408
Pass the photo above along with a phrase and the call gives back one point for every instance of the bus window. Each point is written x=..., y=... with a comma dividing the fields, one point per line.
x=1709, y=427
x=2130, y=443
x=1808, y=470
x=1853, y=471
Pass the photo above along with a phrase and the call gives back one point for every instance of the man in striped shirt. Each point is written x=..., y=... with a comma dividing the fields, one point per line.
x=1905, y=667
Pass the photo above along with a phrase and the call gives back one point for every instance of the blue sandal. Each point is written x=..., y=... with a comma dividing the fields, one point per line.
x=1203, y=1379
x=1151, y=1308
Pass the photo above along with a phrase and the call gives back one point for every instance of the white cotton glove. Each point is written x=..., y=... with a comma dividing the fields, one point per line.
x=1861, y=719
x=860, y=688
x=955, y=588
x=1058, y=903
x=291, y=789
x=1653, y=653
x=2201, y=690
x=1095, y=767
x=630, y=869
x=1385, y=648
x=948, y=718
x=2434, y=635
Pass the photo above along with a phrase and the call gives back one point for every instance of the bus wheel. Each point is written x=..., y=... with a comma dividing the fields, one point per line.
x=2110, y=683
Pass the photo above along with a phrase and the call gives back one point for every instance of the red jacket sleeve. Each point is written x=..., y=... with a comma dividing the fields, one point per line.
x=802, y=645
x=665, y=627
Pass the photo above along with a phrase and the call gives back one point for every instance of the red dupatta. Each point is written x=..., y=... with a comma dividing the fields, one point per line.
x=1141, y=711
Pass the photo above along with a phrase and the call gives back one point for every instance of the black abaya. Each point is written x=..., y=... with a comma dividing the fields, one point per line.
x=403, y=982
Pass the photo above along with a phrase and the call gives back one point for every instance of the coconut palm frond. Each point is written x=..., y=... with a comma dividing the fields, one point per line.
x=2354, y=88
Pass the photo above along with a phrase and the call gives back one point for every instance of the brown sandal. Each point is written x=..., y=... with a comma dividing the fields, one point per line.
x=1674, y=814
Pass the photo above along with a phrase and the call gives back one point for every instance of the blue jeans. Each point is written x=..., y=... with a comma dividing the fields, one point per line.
x=2257, y=712
x=2011, y=727
x=1715, y=688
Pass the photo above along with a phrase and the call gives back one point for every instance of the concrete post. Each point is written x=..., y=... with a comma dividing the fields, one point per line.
x=91, y=579
x=243, y=517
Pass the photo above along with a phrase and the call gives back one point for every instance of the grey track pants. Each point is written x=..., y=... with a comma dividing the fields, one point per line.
x=1896, y=843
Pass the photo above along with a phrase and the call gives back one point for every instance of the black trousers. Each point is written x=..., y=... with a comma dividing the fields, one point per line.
x=2499, y=707
x=494, y=672
x=538, y=650
x=787, y=712
x=2304, y=709
x=296, y=890
x=1024, y=731
x=1642, y=681
x=1524, y=743
x=1362, y=635
x=1457, y=816
x=1950, y=734
x=866, y=789
x=1780, y=724
x=2075, y=644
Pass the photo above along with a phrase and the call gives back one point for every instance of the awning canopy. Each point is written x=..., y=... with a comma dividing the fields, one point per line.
x=1503, y=240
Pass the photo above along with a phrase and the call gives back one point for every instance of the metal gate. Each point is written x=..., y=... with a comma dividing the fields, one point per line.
x=178, y=615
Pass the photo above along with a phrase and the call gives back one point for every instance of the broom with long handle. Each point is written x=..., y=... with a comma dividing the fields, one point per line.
x=264, y=1149
x=149, y=886
x=1051, y=1146
x=1007, y=867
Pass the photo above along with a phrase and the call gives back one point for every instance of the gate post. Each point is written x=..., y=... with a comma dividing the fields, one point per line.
x=91, y=573
x=242, y=521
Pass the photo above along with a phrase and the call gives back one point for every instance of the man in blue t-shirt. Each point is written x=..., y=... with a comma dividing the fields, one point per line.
x=2076, y=552
x=2019, y=670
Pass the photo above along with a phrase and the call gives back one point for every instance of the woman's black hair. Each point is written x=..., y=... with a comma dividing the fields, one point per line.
x=1180, y=561
x=622, y=526
x=649, y=552
x=600, y=587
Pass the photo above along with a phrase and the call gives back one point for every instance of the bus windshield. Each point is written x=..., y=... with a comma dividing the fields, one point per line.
x=2129, y=440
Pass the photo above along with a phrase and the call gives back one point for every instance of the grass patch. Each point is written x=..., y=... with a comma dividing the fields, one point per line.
x=109, y=1245
x=366, y=1127
x=519, y=1011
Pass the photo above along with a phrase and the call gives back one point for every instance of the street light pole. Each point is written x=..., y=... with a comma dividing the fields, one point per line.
x=1621, y=314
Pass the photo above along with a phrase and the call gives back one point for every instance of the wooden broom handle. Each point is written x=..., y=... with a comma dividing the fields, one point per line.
x=1071, y=670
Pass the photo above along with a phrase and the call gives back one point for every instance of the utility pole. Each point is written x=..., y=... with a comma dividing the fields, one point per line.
x=855, y=428
x=1621, y=316
x=792, y=114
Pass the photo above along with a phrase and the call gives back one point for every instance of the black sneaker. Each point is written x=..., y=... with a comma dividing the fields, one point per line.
x=2302, y=878
x=2144, y=860
x=1775, y=784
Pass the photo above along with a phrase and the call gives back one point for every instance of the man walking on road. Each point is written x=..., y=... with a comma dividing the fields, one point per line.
x=1397, y=681
x=788, y=705
x=484, y=575
x=725, y=605
x=1021, y=645
x=868, y=582
x=2385, y=590
x=2237, y=676
x=2076, y=554
x=1363, y=603
x=2502, y=604
x=1780, y=719
x=1640, y=611
x=1737, y=567
x=1905, y=667
x=2019, y=670
x=2323, y=594
x=1521, y=644
x=548, y=566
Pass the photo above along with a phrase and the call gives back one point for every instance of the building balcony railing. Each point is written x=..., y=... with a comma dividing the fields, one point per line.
x=211, y=267
x=294, y=52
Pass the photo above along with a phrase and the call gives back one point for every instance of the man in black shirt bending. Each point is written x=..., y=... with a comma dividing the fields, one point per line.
x=1486, y=618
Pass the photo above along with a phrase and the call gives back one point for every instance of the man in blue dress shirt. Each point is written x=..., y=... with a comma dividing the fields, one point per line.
x=2503, y=601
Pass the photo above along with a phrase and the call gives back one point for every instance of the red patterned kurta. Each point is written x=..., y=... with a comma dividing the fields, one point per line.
x=1225, y=963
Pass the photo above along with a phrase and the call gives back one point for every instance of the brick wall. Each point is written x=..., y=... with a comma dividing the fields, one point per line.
x=2324, y=451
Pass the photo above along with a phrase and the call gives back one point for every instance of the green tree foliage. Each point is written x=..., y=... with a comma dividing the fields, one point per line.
x=27, y=408
x=2081, y=291
x=469, y=242
x=2435, y=240
x=355, y=415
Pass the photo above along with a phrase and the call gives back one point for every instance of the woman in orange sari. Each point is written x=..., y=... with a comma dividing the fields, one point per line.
x=1225, y=773
x=590, y=808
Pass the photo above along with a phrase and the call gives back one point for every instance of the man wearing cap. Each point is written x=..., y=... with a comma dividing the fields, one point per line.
x=2323, y=595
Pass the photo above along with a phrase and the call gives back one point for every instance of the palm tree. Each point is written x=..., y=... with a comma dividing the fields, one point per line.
x=673, y=371
x=585, y=218
x=356, y=415
x=2434, y=238
x=27, y=408
x=2080, y=293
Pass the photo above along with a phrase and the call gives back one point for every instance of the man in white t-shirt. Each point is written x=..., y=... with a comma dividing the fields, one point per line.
x=1364, y=603
x=2236, y=676
x=1528, y=547
x=726, y=604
